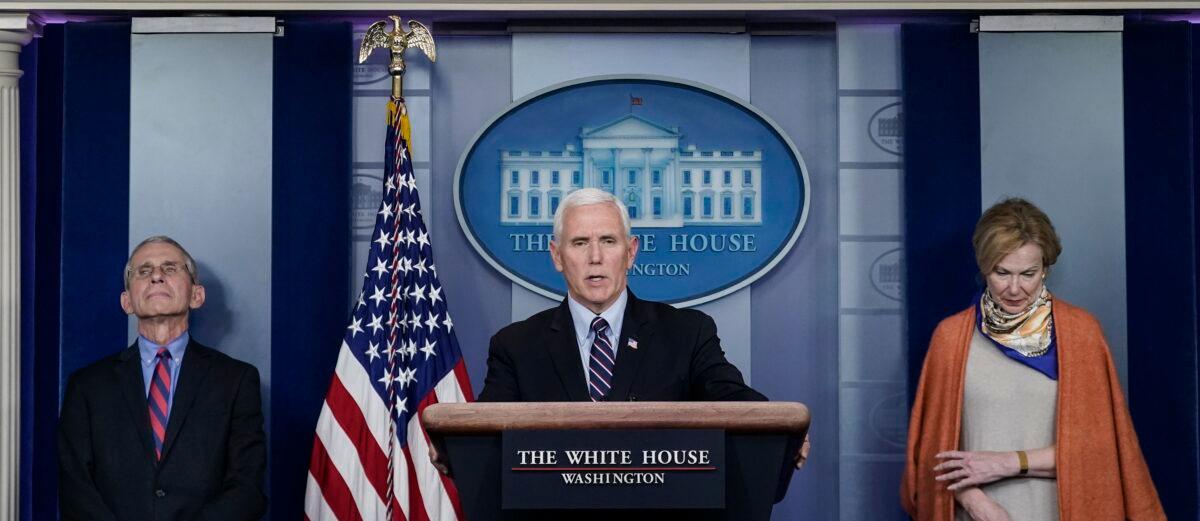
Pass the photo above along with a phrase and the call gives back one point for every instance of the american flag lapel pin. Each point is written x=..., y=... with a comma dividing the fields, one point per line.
x=633, y=343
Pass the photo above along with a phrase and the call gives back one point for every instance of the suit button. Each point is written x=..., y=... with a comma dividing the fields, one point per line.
x=160, y=493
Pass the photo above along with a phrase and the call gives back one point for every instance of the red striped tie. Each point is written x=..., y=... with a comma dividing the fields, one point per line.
x=160, y=396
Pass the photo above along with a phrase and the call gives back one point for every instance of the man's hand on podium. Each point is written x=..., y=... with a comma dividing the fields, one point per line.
x=802, y=454
x=438, y=460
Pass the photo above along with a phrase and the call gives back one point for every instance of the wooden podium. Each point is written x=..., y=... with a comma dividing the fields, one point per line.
x=760, y=442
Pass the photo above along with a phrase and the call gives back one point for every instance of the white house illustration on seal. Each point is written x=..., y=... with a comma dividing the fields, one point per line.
x=663, y=184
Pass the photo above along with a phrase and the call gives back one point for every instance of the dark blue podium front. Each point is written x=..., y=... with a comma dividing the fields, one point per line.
x=611, y=460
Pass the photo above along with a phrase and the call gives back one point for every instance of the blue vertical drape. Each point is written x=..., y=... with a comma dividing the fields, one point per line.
x=95, y=191
x=41, y=205
x=940, y=79
x=1161, y=112
x=76, y=197
x=310, y=245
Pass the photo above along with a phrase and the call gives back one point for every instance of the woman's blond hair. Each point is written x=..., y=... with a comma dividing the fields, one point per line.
x=1007, y=226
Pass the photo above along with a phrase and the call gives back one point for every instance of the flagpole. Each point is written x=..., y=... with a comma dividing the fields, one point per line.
x=399, y=134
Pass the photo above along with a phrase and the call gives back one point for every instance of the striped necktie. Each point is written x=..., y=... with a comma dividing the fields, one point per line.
x=600, y=367
x=159, y=397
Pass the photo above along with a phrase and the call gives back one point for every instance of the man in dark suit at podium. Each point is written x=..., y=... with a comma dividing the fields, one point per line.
x=166, y=428
x=603, y=343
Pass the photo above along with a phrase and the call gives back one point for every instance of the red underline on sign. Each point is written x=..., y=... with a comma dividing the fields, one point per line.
x=613, y=469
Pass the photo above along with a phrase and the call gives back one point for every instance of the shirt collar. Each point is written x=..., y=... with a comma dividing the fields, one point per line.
x=149, y=350
x=582, y=317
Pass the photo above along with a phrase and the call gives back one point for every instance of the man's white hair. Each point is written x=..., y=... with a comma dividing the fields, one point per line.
x=189, y=263
x=585, y=197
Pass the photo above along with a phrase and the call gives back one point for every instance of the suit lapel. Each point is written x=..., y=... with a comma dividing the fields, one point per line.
x=191, y=379
x=564, y=351
x=129, y=376
x=638, y=326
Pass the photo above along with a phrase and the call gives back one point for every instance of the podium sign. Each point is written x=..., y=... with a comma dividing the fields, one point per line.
x=613, y=469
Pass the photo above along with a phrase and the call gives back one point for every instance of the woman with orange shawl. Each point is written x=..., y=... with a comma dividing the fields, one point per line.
x=1018, y=413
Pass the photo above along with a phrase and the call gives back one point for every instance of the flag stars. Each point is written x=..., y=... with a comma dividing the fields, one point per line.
x=431, y=322
x=407, y=377
x=372, y=351
x=389, y=186
x=386, y=379
x=423, y=239
x=410, y=349
x=376, y=324
x=418, y=293
x=383, y=241
x=429, y=349
x=355, y=327
x=361, y=302
x=446, y=322
x=420, y=267
x=380, y=268
x=390, y=351
x=386, y=211
x=377, y=297
x=435, y=294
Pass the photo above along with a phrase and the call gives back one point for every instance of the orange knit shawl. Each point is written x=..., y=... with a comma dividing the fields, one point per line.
x=1101, y=472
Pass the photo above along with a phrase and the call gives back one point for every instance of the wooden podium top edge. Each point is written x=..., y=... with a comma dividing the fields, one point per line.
x=740, y=417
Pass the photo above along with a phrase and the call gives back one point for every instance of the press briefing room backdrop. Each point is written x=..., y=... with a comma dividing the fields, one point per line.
x=808, y=174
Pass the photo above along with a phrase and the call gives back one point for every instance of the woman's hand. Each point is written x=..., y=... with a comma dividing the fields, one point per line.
x=979, y=506
x=966, y=469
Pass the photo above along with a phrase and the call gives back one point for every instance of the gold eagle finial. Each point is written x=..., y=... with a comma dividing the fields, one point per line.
x=397, y=41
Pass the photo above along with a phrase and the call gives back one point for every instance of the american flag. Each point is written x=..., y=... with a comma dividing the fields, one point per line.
x=370, y=457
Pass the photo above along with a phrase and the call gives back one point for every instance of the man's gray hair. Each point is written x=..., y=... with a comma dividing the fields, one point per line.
x=585, y=197
x=188, y=262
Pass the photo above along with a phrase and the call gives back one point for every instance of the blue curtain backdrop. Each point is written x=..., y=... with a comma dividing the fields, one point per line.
x=77, y=194
x=41, y=178
x=310, y=247
x=940, y=78
x=1160, y=241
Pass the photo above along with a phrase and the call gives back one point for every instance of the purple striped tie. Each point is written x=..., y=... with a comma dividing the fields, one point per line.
x=600, y=368
x=159, y=397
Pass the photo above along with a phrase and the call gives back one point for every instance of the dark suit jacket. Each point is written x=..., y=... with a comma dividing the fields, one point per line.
x=214, y=454
x=678, y=358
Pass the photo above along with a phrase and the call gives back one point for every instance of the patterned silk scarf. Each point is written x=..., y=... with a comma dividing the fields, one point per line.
x=1027, y=337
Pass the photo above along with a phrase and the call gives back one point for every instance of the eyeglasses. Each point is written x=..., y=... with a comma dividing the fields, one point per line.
x=169, y=269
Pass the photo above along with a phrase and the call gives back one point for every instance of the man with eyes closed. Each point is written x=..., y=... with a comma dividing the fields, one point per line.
x=602, y=343
x=166, y=428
